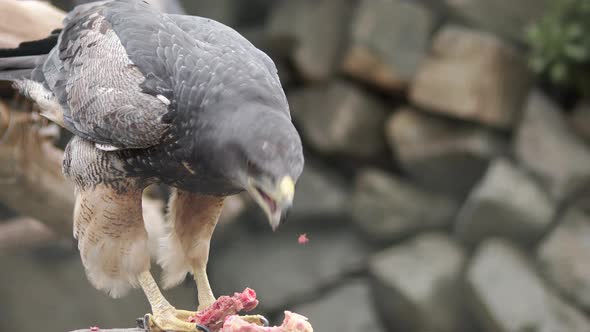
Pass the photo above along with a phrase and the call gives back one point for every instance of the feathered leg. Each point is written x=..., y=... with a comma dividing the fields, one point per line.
x=108, y=221
x=112, y=239
x=193, y=218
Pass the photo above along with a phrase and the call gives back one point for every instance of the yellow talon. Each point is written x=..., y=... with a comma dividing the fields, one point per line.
x=168, y=322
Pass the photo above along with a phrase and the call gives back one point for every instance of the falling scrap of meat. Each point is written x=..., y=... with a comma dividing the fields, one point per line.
x=303, y=239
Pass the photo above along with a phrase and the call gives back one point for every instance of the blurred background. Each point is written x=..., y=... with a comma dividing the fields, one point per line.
x=447, y=178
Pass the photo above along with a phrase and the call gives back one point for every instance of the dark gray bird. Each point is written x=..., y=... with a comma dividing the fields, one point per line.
x=153, y=97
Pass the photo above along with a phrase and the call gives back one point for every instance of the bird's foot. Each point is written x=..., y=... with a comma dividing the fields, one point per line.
x=165, y=317
x=187, y=315
x=204, y=303
x=170, y=320
x=212, y=313
x=184, y=315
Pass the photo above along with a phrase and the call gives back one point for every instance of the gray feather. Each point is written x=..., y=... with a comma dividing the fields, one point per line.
x=20, y=62
x=13, y=75
x=99, y=86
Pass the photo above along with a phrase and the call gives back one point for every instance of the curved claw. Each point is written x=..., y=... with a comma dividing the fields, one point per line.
x=264, y=321
x=144, y=322
x=202, y=328
x=140, y=322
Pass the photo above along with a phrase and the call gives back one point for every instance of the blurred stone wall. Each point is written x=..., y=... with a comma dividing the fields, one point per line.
x=443, y=189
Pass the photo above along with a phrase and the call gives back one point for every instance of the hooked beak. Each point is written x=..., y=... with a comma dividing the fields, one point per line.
x=275, y=199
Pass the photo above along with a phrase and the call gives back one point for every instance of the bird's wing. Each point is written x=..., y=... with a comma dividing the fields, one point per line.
x=124, y=71
x=239, y=66
x=212, y=32
x=100, y=87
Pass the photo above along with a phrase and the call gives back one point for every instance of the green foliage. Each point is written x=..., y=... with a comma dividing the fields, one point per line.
x=560, y=43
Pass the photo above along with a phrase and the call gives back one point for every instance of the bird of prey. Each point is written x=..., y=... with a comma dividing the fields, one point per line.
x=158, y=98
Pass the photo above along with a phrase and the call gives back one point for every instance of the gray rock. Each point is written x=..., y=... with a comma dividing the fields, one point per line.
x=254, y=12
x=508, y=18
x=340, y=119
x=417, y=285
x=580, y=120
x=321, y=196
x=348, y=308
x=565, y=255
x=507, y=203
x=474, y=76
x=387, y=208
x=439, y=153
x=389, y=39
x=279, y=269
x=546, y=144
x=318, y=30
x=507, y=295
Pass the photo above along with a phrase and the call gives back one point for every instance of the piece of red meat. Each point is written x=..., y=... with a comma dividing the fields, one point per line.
x=214, y=315
x=292, y=323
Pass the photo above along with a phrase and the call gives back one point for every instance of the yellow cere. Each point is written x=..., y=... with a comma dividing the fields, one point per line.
x=287, y=188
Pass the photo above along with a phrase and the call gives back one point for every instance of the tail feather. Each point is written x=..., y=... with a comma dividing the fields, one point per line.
x=19, y=67
x=19, y=63
x=15, y=75
x=35, y=47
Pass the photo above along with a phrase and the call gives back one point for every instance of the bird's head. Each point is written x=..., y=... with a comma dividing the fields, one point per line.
x=274, y=196
x=264, y=156
x=273, y=163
